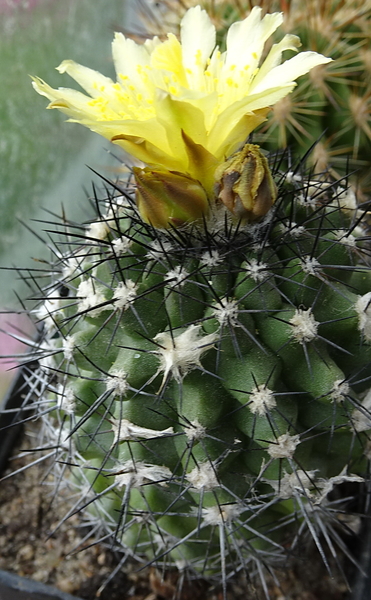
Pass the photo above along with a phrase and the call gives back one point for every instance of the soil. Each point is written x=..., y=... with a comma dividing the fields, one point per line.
x=34, y=544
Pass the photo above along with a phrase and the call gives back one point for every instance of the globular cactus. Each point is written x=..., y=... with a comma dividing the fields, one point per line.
x=205, y=351
x=208, y=386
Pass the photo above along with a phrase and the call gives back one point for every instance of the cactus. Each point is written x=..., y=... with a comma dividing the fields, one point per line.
x=207, y=386
x=332, y=101
x=204, y=359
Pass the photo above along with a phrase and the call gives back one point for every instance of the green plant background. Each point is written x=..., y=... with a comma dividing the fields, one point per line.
x=43, y=161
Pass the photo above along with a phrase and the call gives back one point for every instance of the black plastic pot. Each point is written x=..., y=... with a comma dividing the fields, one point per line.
x=361, y=584
x=14, y=587
x=10, y=429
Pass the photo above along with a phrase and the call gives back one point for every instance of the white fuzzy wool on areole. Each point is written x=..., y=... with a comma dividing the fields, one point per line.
x=220, y=515
x=211, y=258
x=121, y=245
x=363, y=309
x=284, y=446
x=303, y=326
x=262, y=400
x=124, y=431
x=66, y=399
x=361, y=416
x=340, y=390
x=310, y=265
x=194, y=431
x=177, y=277
x=91, y=298
x=125, y=294
x=134, y=474
x=98, y=230
x=203, y=477
x=68, y=347
x=258, y=271
x=159, y=249
x=298, y=483
x=117, y=383
x=226, y=312
x=180, y=354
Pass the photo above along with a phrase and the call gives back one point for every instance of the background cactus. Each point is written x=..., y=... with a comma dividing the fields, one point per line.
x=332, y=101
x=206, y=388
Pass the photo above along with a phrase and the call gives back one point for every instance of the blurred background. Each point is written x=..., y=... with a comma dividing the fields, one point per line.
x=44, y=161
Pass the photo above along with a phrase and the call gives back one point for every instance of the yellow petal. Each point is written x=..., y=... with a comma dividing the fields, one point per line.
x=201, y=165
x=168, y=56
x=154, y=132
x=226, y=125
x=133, y=71
x=239, y=134
x=268, y=97
x=93, y=82
x=176, y=115
x=246, y=39
x=288, y=42
x=198, y=38
x=71, y=102
x=290, y=70
x=147, y=152
x=187, y=135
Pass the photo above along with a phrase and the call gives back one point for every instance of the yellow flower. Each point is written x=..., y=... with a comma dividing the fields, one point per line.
x=183, y=105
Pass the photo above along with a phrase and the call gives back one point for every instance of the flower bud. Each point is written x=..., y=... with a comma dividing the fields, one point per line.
x=245, y=185
x=168, y=198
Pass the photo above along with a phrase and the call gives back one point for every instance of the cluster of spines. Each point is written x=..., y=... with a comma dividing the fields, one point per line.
x=83, y=397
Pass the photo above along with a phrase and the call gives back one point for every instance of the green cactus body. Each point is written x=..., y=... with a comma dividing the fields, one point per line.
x=211, y=380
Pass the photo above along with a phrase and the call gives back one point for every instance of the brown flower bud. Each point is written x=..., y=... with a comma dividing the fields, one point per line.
x=169, y=198
x=245, y=185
